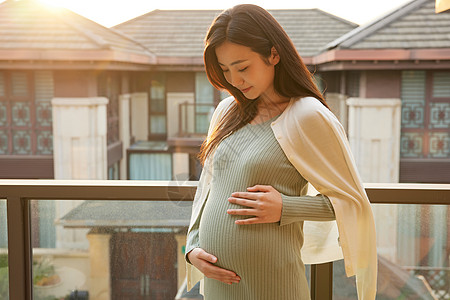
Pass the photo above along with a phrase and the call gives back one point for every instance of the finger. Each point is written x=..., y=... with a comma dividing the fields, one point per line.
x=248, y=221
x=224, y=275
x=243, y=212
x=260, y=187
x=243, y=202
x=245, y=195
x=221, y=272
x=208, y=257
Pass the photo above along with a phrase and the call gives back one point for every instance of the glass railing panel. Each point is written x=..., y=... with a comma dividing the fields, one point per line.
x=4, y=275
x=413, y=245
x=108, y=249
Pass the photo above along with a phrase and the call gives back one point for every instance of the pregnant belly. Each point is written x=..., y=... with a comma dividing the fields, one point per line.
x=238, y=246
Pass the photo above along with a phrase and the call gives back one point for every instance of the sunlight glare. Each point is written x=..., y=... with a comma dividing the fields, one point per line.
x=54, y=3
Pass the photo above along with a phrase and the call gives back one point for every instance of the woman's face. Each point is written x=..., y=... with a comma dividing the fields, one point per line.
x=247, y=70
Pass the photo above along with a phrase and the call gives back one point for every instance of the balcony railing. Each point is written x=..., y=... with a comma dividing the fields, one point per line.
x=19, y=193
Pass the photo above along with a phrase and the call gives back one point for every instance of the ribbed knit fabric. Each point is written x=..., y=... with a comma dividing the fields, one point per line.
x=265, y=256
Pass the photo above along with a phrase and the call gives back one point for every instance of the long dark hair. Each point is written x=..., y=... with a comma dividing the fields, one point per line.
x=252, y=26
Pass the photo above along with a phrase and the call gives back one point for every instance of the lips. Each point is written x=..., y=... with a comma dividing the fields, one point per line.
x=246, y=90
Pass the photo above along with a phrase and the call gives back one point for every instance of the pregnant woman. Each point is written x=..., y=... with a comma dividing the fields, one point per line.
x=265, y=143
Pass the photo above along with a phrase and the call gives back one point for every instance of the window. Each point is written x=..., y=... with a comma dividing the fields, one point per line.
x=157, y=118
x=425, y=115
x=353, y=83
x=149, y=160
x=25, y=113
x=204, y=100
x=114, y=171
x=109, y=87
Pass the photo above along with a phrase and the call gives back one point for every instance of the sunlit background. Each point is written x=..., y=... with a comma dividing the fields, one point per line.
x=109, y=13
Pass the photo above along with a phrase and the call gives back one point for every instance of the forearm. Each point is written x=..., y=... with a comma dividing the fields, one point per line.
x=306, y=208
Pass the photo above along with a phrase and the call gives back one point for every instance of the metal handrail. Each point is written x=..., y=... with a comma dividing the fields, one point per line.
x=18, y=194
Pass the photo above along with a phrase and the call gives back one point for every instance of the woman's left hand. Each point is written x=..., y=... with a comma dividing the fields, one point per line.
x=264, y=202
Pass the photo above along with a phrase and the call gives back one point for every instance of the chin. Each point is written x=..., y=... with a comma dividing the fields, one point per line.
x=252, y=97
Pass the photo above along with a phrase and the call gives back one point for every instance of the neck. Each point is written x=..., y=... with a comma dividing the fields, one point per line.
x=272, y=98
x=272, y=102
x=272, y=107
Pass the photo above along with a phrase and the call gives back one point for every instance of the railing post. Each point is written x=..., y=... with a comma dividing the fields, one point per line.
x=322, y=281
x=180, y=119
x=19, y=248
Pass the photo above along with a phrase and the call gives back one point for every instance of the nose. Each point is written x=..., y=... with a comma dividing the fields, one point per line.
x=234, y=79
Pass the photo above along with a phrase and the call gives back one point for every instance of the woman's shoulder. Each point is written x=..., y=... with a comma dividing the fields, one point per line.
x=309, y=112
x=221, y=110
x=308, y=104
x=225, y=104
x=306, y=108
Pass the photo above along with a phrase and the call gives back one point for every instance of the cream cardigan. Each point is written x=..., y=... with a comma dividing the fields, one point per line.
x=316, y=144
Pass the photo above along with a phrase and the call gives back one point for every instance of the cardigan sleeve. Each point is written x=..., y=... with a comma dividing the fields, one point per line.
x=306, y=208
x=316, y=144
x=192, y=241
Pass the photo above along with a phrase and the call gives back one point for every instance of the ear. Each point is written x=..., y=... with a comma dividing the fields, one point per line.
x=274, y=56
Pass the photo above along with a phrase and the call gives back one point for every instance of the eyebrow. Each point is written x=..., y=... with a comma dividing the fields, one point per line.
x=235, y=62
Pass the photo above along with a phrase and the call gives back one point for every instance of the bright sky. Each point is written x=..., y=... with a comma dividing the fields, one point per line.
x=111, y=12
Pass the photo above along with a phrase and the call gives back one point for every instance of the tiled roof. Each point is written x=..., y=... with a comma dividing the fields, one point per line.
x=128, y=214
x=181, y=33
x=29, y=25
x=414, y=25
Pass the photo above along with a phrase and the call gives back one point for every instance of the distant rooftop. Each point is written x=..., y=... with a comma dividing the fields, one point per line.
x=29, y=25
x=413, y=25
x=181, y=33
x=130, y=214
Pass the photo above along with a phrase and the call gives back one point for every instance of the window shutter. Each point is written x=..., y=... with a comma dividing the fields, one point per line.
x=413, y=99
x=44, y=87
x=19, y=84
x=441, y=85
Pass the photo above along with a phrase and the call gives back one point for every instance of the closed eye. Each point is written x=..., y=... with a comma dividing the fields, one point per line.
x=243, y=69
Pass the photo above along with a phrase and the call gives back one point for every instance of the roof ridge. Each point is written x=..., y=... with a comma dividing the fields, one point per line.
x=135, y=18
x=363, y=31
x=100, y=41
x=112, y=30
x=164, y=10
x=336, y=17
x=126, y=36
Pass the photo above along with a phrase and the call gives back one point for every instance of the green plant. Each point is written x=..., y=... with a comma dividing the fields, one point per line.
x=3, y=260
x=4, y=283
x=44, y=272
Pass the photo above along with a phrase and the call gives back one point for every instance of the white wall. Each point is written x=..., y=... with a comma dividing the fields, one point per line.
x=124, y=131
x=79, y=152
x=139, y=111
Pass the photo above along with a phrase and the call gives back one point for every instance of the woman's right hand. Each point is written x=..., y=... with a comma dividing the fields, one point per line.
x=204, y=261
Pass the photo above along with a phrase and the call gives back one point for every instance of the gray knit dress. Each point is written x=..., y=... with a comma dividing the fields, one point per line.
x=265, y=256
